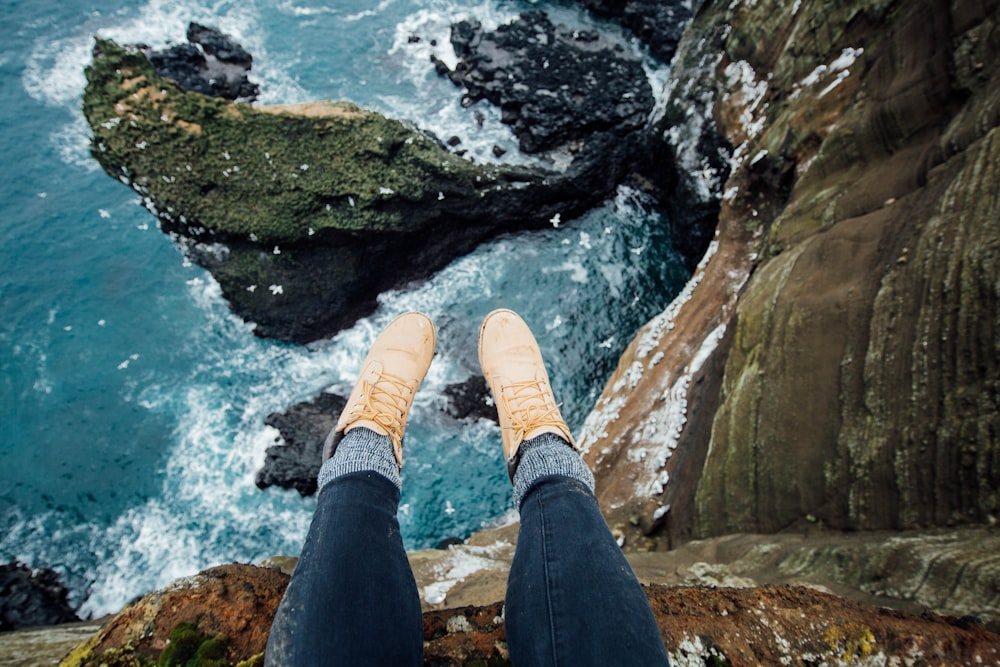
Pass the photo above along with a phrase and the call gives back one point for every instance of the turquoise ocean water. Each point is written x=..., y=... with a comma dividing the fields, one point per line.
x=132, y=401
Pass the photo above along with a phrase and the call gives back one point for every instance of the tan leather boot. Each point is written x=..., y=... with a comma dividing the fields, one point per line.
x=396, y=364
x=513, y=367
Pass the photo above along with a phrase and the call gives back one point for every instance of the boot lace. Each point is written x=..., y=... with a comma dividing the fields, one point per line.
x=530, y=406
x=385, y=401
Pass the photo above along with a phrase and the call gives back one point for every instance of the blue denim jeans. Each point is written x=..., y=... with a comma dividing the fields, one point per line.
x=352, y=599
x=572, y=598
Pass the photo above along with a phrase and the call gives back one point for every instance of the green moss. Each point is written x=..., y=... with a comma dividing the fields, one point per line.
x=252, y=661
x=190, y=648
x=278, y=176
x=124, y=656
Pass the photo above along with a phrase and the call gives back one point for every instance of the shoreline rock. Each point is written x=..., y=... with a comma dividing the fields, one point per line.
x=211, y=63
x=32, y=597
x=295, y=459
x=555, y=86
x=659, y=24
x=295, y=463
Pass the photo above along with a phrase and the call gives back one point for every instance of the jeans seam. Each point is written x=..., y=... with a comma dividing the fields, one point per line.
x=548, y=577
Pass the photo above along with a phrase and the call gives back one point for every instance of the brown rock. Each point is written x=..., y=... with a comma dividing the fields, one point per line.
x=793, y=625
x=235, y=601
x=789, y=625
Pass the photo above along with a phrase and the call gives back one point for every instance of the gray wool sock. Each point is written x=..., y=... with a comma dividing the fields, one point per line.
x=361, y=449
x=548, y=454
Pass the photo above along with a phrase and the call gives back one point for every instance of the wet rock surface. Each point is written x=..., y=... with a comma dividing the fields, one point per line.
x=658, y=23
x=470, y=399
x=554, y=85
x=295, y=463
x=211, y=63
x=30, y=597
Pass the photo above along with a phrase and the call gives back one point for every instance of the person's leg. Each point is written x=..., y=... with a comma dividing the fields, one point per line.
x=572, y=598
x=353, y=599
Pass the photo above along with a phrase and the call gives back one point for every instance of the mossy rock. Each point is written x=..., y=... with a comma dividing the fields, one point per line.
x=280, y=173
x=305, y=213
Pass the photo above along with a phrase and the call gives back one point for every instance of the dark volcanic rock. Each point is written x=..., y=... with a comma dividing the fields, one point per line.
x=470, y=399
x=295, y=463
x=658, y=23
x=304, y=427
x=32, y=597
x=211, y=64
x=553, y=84
x=689, y=156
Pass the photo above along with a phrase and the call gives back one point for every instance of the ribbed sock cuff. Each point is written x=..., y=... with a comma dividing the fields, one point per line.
x=360, y=450
x=545, y=455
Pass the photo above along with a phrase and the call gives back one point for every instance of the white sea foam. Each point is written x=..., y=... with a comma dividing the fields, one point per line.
x=436, y=103
x=54, y=69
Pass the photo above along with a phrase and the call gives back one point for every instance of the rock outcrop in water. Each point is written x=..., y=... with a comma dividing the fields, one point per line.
x=557, y=87
x=305, y=213
x=294, y=462
x=658, y=23
x=32, y=597
x=835, y=357
x=211, y=63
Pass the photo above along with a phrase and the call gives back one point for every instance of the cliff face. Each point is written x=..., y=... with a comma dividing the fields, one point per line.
x=835, y=357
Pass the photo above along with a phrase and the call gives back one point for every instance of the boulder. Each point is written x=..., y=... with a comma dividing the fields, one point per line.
x=295, y=459
x=294, y=462
x=211, y=63
x=658, y=23
x=470, y=399
x=32, y=597
x=554, y=85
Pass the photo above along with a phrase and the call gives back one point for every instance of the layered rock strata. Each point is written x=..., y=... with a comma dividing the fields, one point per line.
x=834, y=359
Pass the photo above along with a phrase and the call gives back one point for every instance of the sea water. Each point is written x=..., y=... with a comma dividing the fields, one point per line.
x=132, y=402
